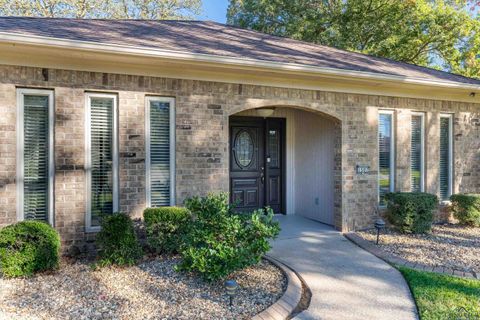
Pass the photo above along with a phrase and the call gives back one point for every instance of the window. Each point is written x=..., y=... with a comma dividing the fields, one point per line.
x=243, y=149
x=35, y=167
x=160, y=151
x=417, y=152
x=386, y=159
x=101, y=157
x=446, y=155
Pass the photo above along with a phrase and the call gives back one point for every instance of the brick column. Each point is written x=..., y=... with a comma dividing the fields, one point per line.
x=466, y=151
x=70, y=164
x=402, y=147
x=202, y=146
x=432, y=151
x=359, y=147
x=132, y=152
x=8, y=149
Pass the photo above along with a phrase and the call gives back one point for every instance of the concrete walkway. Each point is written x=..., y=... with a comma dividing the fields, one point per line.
x=346, y=281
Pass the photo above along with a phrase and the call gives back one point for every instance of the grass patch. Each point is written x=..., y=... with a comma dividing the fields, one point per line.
x=443, y=297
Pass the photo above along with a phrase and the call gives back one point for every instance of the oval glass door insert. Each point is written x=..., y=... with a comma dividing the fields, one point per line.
x=244, y=149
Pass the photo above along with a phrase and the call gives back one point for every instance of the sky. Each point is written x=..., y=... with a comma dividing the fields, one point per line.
x=215, y=10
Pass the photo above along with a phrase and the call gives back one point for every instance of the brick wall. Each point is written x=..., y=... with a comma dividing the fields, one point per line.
x=8, y=149
x=202, y=111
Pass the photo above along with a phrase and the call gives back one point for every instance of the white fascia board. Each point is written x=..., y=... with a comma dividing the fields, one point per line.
x=221, y=60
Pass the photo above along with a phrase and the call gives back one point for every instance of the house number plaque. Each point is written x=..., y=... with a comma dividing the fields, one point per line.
x=363, y=169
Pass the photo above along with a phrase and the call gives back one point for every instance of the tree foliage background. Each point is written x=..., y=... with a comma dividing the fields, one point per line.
x=443, y=34
x=108, y=9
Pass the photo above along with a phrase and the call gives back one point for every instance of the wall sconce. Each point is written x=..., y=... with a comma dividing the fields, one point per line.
x=265, y=112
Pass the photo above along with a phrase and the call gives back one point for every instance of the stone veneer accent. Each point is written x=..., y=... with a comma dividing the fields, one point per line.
x=202, y=158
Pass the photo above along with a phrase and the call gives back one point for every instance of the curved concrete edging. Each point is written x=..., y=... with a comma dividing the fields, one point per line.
x=376, y=251
x=291, y=298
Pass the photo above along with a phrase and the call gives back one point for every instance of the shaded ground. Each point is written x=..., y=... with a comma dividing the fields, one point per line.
x=151, y=290
x=449, y=245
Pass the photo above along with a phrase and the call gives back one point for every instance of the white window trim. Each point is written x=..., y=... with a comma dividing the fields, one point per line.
x=450, y=155
x=422, y=155
x=88, y=158
x=20, y=151
x=392, y=151
x=148, y=190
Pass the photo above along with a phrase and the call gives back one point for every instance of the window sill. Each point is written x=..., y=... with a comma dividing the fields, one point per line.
x=92, y=229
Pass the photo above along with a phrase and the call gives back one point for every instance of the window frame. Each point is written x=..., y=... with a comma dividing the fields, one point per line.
x=422, y=155
x=148, y=184
x=88, y=158
x=20, y=176
x=449, y=116
x=392, y=151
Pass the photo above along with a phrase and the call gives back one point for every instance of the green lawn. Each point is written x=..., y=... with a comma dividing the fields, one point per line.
x=443, y=297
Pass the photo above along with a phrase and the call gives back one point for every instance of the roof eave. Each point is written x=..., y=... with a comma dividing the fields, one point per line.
x=27, y=39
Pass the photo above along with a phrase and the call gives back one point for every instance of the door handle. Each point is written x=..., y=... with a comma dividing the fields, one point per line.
x=262, y=175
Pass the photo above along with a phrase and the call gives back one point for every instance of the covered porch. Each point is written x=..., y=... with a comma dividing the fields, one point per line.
x=287, y=158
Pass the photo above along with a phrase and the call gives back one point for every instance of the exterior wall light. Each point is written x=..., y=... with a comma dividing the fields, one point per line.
x=231, y=287
x=379, y=225
x=265, y=112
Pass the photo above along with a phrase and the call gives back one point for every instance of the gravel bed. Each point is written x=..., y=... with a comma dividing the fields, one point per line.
x=150, y=290
x=448, y=245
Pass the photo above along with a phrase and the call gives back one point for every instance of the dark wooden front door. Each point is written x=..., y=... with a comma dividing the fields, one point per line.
x=257, y=163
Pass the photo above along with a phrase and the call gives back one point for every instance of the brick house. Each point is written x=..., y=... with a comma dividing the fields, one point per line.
x=100, y=116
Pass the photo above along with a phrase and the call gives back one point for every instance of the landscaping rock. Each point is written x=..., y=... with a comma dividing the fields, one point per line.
x=447, y=246
x=150, y=290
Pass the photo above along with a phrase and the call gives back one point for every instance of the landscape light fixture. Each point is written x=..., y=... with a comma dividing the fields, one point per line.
x=231, y=287
x=379, y=225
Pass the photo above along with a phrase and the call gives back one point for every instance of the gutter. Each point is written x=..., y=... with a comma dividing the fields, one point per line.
x=24, y=39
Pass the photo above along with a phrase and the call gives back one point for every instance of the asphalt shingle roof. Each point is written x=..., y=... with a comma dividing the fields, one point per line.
x=212, y=38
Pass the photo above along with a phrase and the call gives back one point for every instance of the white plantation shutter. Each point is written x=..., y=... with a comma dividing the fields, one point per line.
x=36, y=157
x=386, y=156
x=445, y=157
x=160, y=158
x=102, y=161
x=416, y=154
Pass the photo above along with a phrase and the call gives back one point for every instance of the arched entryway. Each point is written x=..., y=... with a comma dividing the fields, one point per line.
x=289, y=160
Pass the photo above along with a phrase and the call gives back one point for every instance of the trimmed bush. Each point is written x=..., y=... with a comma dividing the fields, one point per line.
x=219, y=241
x=466, y=208
x=411, y=212
x=117, y=241
x=165, y=228
x=28, y=247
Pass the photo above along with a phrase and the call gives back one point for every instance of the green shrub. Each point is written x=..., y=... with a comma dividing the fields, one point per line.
x=411, y=212
x=219, y=242
x=117, y=241
x=165, y=228
x=27, y=247
x=466, y=208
